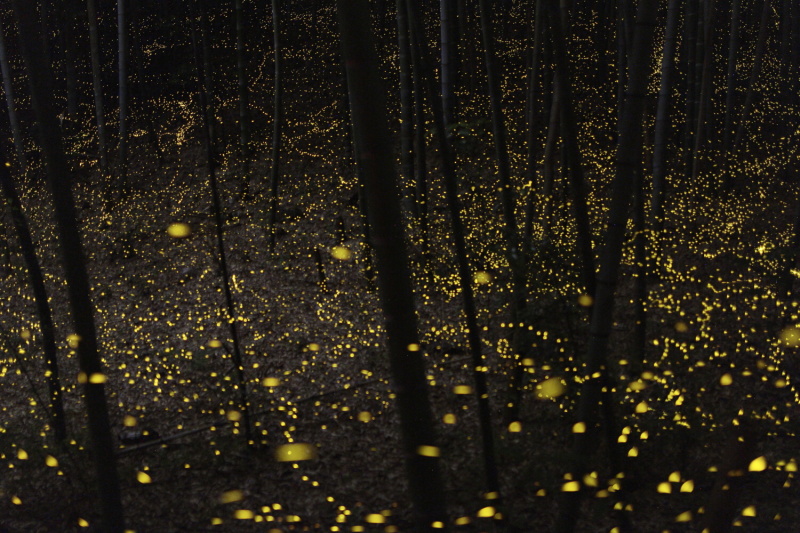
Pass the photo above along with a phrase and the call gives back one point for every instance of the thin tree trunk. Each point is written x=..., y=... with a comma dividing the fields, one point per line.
x=56, y=410
x=462, y=260
x=230, y=306
x=277, y=124
x=447, y=45
x=628, y=160
x=758, y=60
x=662, y=128
x=406, y=112
x=707, y=75
x=573, y=154
x=40, y=78
x=730, y=95
x=241, y=76
x=420, y=149
x=8, y=86
x=97, y=84
x=374, y=153
x=122, y=61
x=689, y=45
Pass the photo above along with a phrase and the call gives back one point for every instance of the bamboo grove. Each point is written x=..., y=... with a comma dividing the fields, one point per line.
x=361, y=265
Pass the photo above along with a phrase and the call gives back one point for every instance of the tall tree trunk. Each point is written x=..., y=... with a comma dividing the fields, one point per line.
x=406, y=112
x=216, y=206
x=375, y=156
x=420, y=148
x=730, y=94
x=56, y=411
x=569, y=128
x=277, y=124
x=662, y=133
x=758, y=60
x=463, y=265
x=97, y=84
x=446, y=13
x=689, y=49
x=706, y=82
x=40, y=79
x=8, y=86
x=241, y=76
x=122, y=62
x=628, y=161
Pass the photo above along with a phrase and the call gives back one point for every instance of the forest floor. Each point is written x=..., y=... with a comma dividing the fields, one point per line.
x=317, y=373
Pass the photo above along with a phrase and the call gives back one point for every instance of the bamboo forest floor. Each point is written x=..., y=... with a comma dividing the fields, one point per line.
x=719, y=354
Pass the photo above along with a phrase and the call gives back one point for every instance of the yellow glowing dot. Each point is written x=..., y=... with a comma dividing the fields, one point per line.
x=143, y=477
x=759, y=464
x=342, y=253
x=449, y=418
x=375, y=518
x=780, y=383
x=295, y=452
x=437, y=525
x=633, y=452
x=243, y=514
x=25, y=334
x=681, y=327
x=313, y=347
x=579, y=427
x=82, y=377
x=585, y=300
x=685, y=516
x=97, y=378
x=550, y=388
x=664, y=488
x=179, y=230
x=365, y=416
x=82, y=522
x=271, y=382
x=725, y=380
x=22, y=455
x=571, y=486
x=413, y=347
x=129, y=421
x=750, y=510
x=214, y=343
x=216, y=521
x=486, y=512
x=515, y=427
x=637, y=385
x=642, y=407
x=687, y=486
x=233, y=416
x=790, y=336
x=462, y=389
x=675, y=477
x=428, y=451
x=791, y=466
x=462, y=521
x=73, y=340
x=590, y=480
x=482, y=278
x=230, y=496
x=51, y=461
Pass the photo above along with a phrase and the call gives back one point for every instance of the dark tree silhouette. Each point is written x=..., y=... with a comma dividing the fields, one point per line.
x=8, y=87
x=40, y=298
x=40, y=79
x=375, y=157
x=97, y=85
x=628, y=162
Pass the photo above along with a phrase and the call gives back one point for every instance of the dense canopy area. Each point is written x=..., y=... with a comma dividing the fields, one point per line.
x=464, y=265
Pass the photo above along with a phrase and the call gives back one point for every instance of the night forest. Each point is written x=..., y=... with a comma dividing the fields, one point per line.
x=399, y=266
